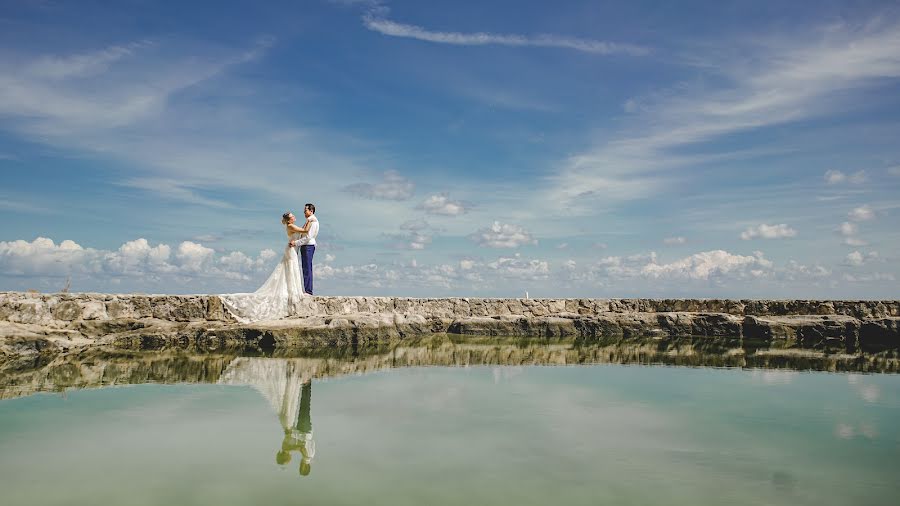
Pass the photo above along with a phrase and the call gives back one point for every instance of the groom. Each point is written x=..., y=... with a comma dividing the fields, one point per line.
x=307, y=243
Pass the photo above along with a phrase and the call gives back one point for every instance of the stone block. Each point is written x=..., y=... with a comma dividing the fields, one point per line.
x=68, y=310
x=94, y=310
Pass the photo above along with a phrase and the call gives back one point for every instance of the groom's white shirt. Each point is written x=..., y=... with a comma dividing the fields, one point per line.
x=309, y=238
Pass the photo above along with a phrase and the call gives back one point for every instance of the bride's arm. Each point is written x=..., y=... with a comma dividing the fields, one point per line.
x=294, y=228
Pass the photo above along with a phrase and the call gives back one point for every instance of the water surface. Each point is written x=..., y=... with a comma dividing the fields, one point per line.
x=324, y=431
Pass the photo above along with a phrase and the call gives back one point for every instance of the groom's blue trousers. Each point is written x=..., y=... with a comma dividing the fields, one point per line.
x=306, y=255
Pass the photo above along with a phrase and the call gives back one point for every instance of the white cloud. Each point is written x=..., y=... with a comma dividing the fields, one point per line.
x=861, y=213
x=764, y=231
x=873, y=277
x=848, y=229
x=418, y=241
x=795, y=271
x=518, y=267
x=417, y=237
x=672, y=241
x=193, y=256
x=837, y=177
x=442, y=204
x=394, y=29
x=413, y=240
x=894, y=171
x=501, y=235
x=392, y=187
x=856, y=259
x=706, y=264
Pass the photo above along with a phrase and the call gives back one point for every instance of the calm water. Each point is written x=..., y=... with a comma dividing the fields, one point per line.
x=288, y=431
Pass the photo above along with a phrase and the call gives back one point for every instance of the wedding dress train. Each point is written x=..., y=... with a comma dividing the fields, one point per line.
x=277, y=298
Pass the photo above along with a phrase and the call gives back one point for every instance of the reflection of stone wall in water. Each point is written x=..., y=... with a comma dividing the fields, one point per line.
x=94, y=368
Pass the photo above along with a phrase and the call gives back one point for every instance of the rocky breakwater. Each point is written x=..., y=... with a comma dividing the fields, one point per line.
x=33, y=322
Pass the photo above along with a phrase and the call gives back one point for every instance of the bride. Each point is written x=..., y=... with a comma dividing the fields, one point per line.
x=280, y=295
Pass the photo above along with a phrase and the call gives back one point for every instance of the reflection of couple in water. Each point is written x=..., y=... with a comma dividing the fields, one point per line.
x=287, y=385
x=298, y=436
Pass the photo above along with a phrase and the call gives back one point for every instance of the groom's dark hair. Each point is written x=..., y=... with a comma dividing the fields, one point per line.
x=311, y=207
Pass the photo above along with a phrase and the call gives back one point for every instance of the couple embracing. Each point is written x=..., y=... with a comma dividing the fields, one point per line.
x=282, y=292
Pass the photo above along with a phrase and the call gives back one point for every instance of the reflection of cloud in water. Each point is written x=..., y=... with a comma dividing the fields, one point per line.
x=506, y=373
x=844, y=431
x=868, y=430
x=870, y=393
x=773, y=377
x=450, y=396
x=847, y=431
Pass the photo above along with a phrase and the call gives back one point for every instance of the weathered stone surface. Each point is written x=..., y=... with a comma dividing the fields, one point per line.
x=68, y=310
x=880, y=335
x=833, y=326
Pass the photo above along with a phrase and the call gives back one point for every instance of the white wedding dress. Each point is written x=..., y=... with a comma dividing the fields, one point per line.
x=277, y=298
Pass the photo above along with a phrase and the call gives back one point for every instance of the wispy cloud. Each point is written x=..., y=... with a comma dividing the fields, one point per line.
x=54, y=95
x=81, y=65
x=763, y=85
x=837, y=177
x=172, y=189
x=392, y=187
x=861, y=213
x=394, y=29
x=118, y=103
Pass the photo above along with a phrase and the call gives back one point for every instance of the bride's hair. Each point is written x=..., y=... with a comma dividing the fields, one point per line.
x=285, y=217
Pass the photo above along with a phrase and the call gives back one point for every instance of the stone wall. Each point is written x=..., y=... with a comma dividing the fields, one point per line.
x=47, y=309
x=31, y=322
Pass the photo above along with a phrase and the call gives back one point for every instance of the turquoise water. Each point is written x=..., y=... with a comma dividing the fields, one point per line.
x=596, y=434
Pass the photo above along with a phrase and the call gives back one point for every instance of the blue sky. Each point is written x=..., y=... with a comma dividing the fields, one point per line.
x=659, y=149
